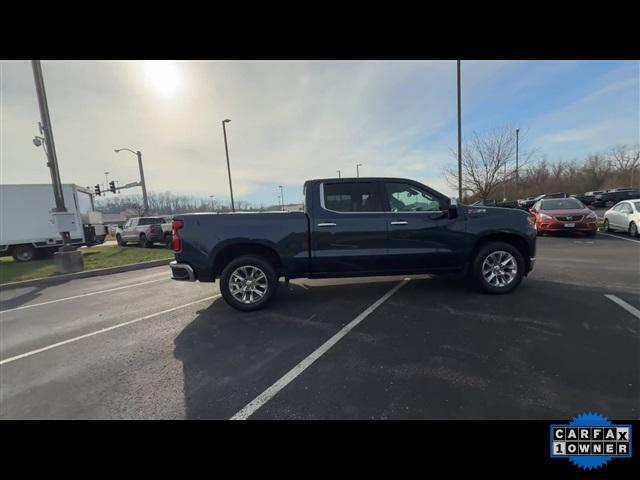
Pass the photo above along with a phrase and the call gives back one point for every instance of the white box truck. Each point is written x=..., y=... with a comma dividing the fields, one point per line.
x=26, y=225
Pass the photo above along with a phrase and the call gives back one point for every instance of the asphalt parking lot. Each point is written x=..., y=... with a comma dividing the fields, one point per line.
x=138, y=345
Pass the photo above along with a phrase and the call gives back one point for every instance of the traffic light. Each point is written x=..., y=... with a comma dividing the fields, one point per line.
x=112, y=186
x=96, y=190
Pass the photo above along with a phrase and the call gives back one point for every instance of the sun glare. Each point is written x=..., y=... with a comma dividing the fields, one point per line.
x=162, y=75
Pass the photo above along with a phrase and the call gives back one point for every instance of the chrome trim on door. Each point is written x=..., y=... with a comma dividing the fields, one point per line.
x=400, y=222
x=327, y=224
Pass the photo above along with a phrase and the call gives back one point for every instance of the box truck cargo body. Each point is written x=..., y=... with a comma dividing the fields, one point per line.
x=26, y=226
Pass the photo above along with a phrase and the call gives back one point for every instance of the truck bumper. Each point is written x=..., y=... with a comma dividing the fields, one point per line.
x=182, y=271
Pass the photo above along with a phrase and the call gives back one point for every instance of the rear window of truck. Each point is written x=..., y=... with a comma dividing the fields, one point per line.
x=352, y=197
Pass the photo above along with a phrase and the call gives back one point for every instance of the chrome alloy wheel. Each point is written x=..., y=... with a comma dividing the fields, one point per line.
x=248, y=284
x=499, y=268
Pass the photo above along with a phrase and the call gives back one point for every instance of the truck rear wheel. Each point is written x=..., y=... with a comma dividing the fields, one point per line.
x=248, y=282
x=498, y=267
x=24, y=253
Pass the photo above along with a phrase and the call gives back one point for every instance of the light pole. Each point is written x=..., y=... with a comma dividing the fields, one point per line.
x=138, y=154
x=68, y=259
x=358, y=170
x=282, y=197
x=517, y=141
x=211, y=197
x=226, y=149
x=338, y=173
x=459, y=136
x=106, y=180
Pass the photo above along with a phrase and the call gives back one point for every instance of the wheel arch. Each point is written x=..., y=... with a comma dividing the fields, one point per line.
x=514, y=239
x=234, y=250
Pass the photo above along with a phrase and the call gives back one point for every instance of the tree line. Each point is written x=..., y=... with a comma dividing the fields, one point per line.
x=489, y=169
x=167, y=203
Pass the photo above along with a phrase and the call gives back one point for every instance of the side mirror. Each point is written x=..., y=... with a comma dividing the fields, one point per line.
x=453, y=208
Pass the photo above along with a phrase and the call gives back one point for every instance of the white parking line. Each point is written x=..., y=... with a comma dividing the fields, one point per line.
x=621, y=238
x=83, y=295
x=270, y=392
x=629, y=308
x=102, y=330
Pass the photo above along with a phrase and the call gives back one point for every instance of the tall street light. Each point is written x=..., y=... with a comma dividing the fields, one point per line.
x=67, y=259
x=226, y=149
x=142, y=182
x=338, y=173
x=517, y=141
x=358, y=169
x=106, y=180
x=459, y=136
x=282, y=197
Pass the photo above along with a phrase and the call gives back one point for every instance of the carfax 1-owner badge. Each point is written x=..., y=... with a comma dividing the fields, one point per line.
x=590, y=440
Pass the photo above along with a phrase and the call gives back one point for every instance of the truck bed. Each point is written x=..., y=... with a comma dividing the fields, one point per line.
x=206, y=236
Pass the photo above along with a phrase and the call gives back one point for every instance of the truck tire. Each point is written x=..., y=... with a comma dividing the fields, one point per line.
x=498, y=268
x=24, y=253
x=248, y=282
x=121, y=242
x=144, y=242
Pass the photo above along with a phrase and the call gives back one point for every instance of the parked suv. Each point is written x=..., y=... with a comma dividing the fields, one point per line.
x=144, y=230
x=587, y=197
x=529, y=202
x=615, y=195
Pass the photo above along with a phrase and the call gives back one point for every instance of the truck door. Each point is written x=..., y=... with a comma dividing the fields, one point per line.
x=348, y=229
x=130, y=232
x=421, y=234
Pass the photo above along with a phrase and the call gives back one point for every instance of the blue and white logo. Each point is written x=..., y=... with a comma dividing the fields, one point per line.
x=590, y=440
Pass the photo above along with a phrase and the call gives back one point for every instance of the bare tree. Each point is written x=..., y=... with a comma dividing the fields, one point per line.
x=625, y=159
x=488, y=162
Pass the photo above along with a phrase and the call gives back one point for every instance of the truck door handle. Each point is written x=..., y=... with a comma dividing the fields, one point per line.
x=327, y=224
x=400, y=222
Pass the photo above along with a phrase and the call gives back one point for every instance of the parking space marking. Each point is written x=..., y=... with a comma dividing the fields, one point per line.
x=621, y=238
x=270, y=392
x=102, y=330
x=83, y=295
x=629, y=308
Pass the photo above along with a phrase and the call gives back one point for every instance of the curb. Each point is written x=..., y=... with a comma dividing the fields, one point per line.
x=89, y=273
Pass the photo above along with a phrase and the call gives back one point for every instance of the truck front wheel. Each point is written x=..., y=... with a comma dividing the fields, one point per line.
x=24, y=253
x=248, y=282
x=498, y=267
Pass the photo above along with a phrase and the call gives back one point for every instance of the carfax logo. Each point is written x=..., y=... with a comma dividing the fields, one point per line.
x=590, y=440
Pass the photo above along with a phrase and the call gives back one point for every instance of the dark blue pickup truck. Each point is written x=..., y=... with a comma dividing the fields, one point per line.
x=353, y=227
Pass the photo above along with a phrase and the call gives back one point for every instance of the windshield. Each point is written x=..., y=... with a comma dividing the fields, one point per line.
x=562, y=204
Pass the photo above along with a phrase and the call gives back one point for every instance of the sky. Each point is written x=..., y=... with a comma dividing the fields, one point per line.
x=296, y=120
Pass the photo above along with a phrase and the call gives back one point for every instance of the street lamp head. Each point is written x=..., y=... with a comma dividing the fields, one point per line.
x=226, y=120
x=37, y=141
x=116, y=150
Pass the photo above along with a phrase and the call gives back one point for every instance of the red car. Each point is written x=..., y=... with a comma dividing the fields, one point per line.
x=563, y=215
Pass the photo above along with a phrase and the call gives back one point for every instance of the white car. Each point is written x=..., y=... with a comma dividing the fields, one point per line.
x=624, y=216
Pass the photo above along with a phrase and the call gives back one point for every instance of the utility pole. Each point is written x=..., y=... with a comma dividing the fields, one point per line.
x=358, y=170
x=517, y=178
x=144, y=184
x=459, y=136
x=282, y=197
x=338, y=173
x=226, y=149
x=67, y=259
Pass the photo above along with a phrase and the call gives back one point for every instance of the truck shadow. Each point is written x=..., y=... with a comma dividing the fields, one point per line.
x=230, y=357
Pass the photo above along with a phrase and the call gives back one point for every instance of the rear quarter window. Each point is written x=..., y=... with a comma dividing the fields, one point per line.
x=351, y=197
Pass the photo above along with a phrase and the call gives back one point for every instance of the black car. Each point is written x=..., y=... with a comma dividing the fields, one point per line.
x=613, y=196
x=587, y=197
x=354, y=227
